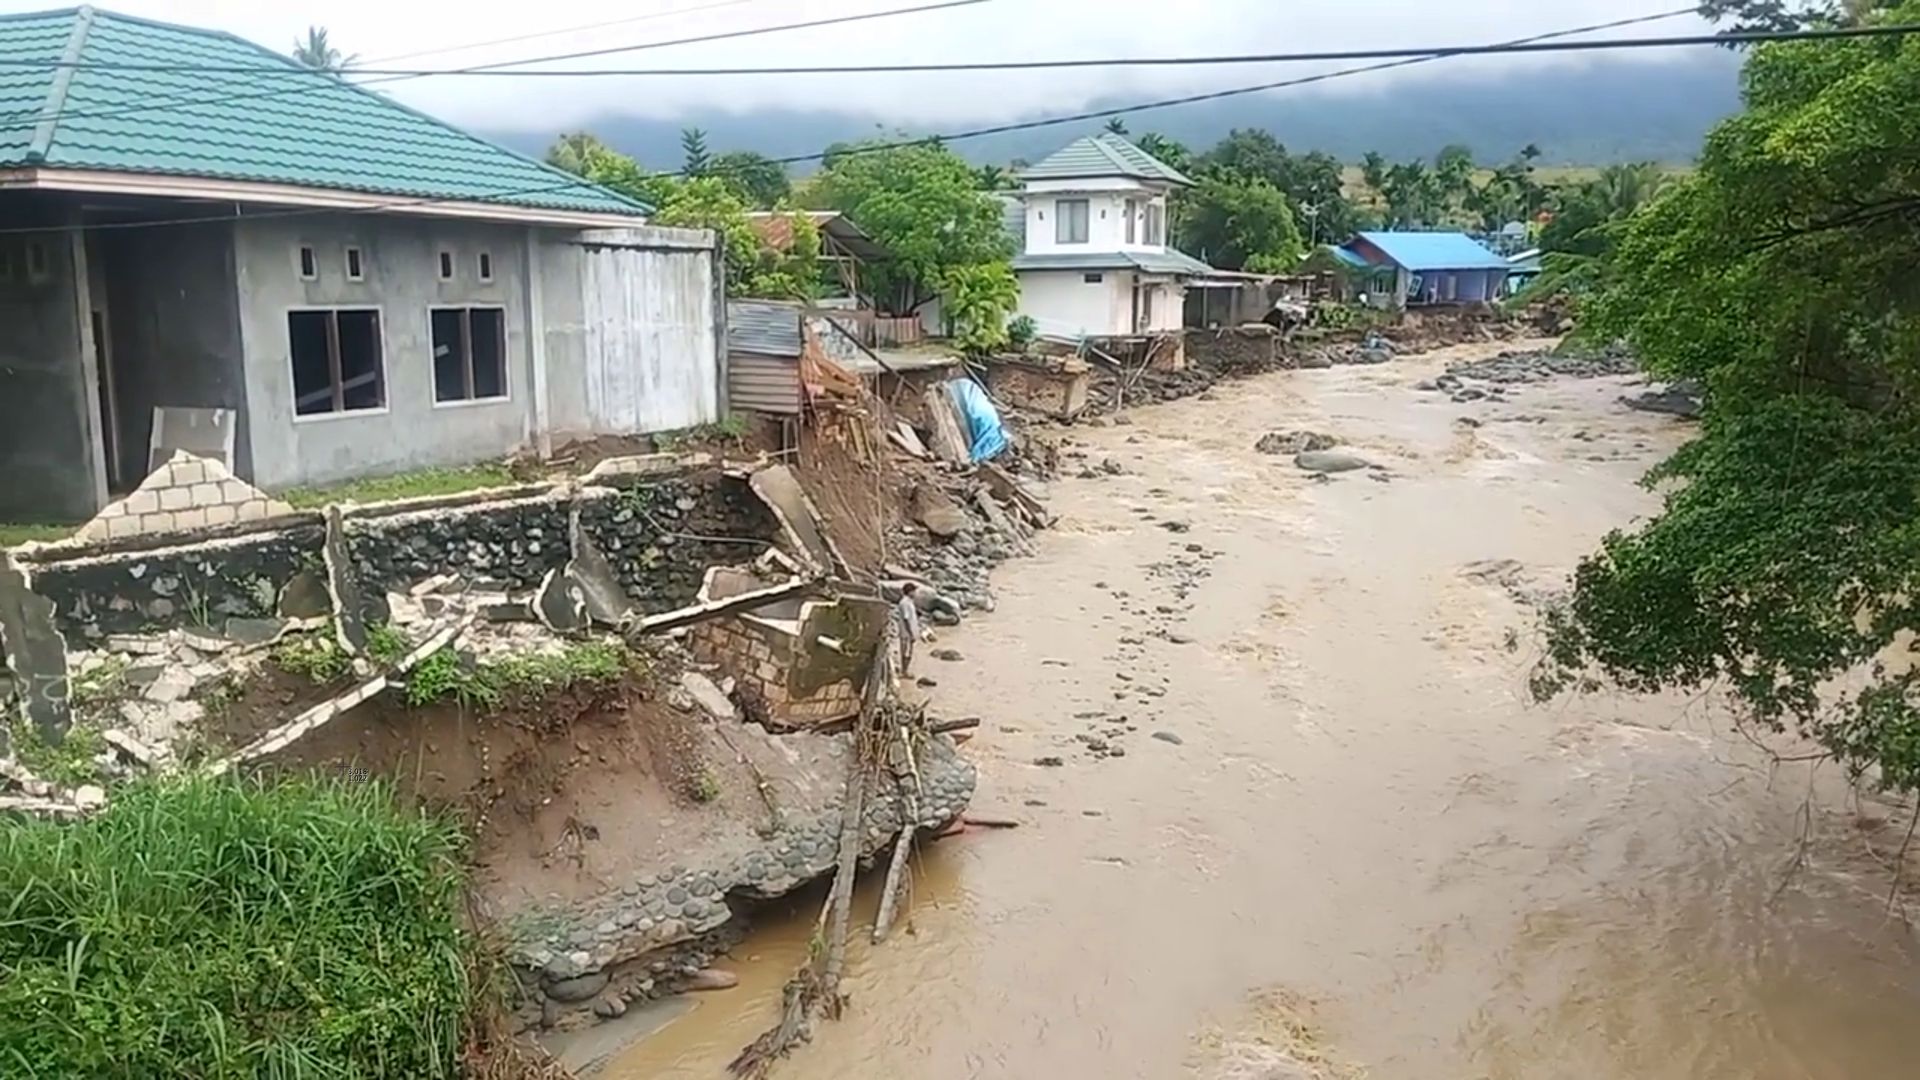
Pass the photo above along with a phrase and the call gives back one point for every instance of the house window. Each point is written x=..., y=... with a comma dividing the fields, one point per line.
x=1070, y=221
x=1133, y=224
x=1093, y=279
x=356, y=270
x=1157, y=224
x=469, y=353
x=309, y=265
x=336, y=361
x=486, y=266
x=446, y=266
x=37, y=262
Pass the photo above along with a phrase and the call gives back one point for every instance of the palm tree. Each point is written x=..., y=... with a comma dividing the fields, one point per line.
x=1623, y=189
x=319, y=54
x=1116, y=126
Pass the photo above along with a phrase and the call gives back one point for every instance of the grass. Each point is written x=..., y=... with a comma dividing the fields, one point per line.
x=69, y=764
x=317, y=656
x=410, y=485
x=13, y=534
x=223, y=929
x=445, y=676
x=726, y=431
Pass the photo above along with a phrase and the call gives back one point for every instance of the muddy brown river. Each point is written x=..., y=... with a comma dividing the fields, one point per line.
x=1367, y=847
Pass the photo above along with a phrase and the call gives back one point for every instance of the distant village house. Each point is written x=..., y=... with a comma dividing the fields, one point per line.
x=1419, y=269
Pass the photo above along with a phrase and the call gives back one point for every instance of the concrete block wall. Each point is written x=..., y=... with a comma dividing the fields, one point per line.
x=185, y=494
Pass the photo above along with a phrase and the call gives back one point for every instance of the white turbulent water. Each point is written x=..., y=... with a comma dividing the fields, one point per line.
x=1366, y=811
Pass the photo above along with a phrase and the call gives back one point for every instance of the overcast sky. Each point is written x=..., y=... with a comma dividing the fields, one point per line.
x=436, y=33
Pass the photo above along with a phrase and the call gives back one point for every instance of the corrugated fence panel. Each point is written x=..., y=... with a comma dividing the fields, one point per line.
x=764, y=384
x=652, y=362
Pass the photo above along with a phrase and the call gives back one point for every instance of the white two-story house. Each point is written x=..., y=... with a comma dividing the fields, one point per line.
x=1092, y=253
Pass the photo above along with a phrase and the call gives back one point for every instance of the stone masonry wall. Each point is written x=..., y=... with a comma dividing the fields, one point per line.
x=772, y=670
x=660, y=534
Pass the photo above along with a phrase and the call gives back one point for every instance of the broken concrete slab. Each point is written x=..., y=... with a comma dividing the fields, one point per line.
x=343, y=586
x=1330, y=461
x=249, y=633
x=560, y=603
x=780, y=490
x=34, y=651
x=607, y=602
x=937, y=513
x=708, y=695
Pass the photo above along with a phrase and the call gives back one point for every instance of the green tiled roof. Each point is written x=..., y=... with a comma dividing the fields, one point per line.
x=285, y=125
x=1105, y=154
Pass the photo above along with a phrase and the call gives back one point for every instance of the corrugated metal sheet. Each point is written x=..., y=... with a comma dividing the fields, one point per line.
x=765, y=384
x=1435, y=250
x=763, y=327
x=652, y=359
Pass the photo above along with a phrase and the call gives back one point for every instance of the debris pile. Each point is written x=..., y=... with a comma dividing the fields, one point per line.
x=1684, y=399
x=1511, y=368
x=1294, y=442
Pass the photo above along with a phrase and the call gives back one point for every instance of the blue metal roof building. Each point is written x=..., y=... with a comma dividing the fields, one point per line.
x=1432, y=267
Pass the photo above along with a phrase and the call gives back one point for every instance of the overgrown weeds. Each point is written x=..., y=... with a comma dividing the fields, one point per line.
x=222, y=929
x=68, y=764
x=409, y=485
x=485, y=686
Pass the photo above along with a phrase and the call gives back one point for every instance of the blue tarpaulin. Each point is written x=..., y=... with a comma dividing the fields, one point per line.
x=983, y=420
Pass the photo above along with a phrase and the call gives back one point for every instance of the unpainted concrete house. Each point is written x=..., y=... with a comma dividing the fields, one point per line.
x=188, y=220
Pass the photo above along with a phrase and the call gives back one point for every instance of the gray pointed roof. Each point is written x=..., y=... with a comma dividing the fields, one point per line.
x=1105, y=154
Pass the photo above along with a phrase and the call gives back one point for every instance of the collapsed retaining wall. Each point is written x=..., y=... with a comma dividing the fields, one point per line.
x=660, y=532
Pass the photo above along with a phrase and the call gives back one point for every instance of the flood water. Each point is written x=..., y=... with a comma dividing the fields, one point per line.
x=1366, y=824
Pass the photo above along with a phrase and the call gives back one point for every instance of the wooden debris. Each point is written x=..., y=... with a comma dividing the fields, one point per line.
x=945, y=727
x=989, y=822
x=1010, y=490
x=949, y=440
x=998, y=519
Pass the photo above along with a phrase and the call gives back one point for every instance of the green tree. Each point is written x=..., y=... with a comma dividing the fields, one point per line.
x=758, y=179
x=1116, y=126
x=979, y=299
x=317, y=52
x=753, y=269
x=923, y=204
x=693, y=148
x=1240, y=223
x=1785, y=562
x=1170, y=151
x=585, y=155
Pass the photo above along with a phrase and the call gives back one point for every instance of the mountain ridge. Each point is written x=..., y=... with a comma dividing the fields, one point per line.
x=1597, y=113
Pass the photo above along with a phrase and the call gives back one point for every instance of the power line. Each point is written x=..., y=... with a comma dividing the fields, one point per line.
x=1025, y=125
x=1437, y=51
x=565, y=30
x=315, y=81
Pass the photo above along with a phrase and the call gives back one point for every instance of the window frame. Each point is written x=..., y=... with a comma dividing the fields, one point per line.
x=306, y=262
x=445, y=265
x=1154, y=229
x=483, y=266
x=1062, y=220
x=466, y=333
x=1093, y=277
x=380, y=340
x=353, y=260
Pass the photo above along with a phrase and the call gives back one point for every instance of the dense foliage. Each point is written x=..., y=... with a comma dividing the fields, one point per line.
x=1786, y=561
x=710, y=194
x=1240, y=223
x=924, y=205
x=224, y=931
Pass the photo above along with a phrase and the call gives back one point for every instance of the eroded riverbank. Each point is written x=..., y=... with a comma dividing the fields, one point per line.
x=1358, y=806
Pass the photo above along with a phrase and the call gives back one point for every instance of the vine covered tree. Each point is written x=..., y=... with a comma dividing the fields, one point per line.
x=1785, y=563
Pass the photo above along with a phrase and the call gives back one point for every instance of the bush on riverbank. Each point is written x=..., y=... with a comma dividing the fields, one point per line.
x=223, y=929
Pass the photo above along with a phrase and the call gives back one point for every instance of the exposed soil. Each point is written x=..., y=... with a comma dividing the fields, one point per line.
x=561, y=794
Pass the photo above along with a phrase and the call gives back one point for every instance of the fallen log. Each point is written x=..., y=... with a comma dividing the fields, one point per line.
x=944, y=727
x=989, y=822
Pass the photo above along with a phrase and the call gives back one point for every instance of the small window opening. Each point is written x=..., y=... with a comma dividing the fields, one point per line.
x=309, y=266
x=37, y=261
x=486, y=266
x=336, y=361
x=469, y=354
x=1093, y=279
x=355, y=270
x=446, y=266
